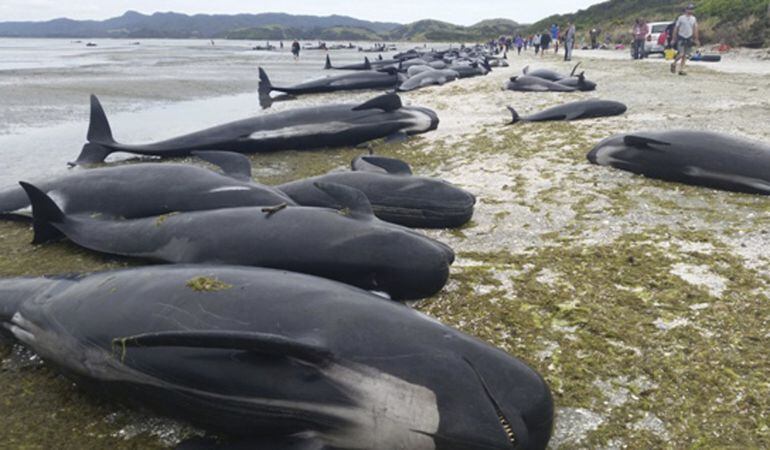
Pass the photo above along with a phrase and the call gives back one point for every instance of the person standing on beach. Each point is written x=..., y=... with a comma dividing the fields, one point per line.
x=640, y=32
x=545, y=42
x=685, y=33
x=555, y=37
x=569, y=42
x=519, y=43
x=295, y=49
x=536, y=43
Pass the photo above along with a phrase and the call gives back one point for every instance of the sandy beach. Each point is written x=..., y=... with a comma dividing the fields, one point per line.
x=644, y=304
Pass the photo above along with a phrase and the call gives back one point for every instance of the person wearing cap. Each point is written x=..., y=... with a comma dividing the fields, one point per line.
x=685, y=33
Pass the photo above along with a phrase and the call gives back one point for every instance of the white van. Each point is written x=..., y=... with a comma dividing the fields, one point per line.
x=651, y=43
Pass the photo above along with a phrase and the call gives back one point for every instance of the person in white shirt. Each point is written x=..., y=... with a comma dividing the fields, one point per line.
x=685, y=33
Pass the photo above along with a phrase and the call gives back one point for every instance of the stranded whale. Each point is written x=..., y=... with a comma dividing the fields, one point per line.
x=395, y=194
x=351, y=245
x=266, y=356
x=346, y=82
x=151, y=189
x=299, y=129
x=693, y=157
x=585, y=109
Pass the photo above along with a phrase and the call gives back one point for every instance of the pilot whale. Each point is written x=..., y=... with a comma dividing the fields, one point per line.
x=548, y=74
x=279, y=360
x=527, y=83
x=350, y=245
x=298, y=129
x=346, y=82
x=396, y=195
x=151, y=189
x=428, y=78
x=585, y=109
x=701, y=158
x=366, y=65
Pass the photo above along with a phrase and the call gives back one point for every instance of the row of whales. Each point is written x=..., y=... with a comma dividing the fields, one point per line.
x=403, y=73
x=148, y=189
x=350, y=245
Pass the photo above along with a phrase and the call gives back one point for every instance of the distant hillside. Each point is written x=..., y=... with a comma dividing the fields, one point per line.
x=736, y=22
x=434, y=30
x=277, y=32
x=174, y=25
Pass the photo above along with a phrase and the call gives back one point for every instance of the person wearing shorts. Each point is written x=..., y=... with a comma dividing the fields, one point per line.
x=685, y=34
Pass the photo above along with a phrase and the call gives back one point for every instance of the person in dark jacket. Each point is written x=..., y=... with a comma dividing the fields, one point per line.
x=545, y=42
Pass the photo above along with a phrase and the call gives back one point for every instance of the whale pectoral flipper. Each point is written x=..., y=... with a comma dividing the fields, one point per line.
x=234, y=165
x=260, y=343
x=387, y=103
x=390, y=165
x=396, y=137
x=44, y=213
x=352, y=201
x=641, y=142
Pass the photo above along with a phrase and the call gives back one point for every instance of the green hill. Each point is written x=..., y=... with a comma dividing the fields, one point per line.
x=736, y=22
x=434, y=30
x=278, y=32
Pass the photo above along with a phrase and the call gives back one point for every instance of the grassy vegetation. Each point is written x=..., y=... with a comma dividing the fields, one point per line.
x=736, y=22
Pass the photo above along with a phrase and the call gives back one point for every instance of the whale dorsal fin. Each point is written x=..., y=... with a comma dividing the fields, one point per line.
x=234, y=165
x=352, y=202
x=641, y=142
x=260, y=343
x=369, y=163
x=525, y=70
x=387, y=103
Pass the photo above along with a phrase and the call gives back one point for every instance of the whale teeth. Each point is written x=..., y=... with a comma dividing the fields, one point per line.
x=507, y=428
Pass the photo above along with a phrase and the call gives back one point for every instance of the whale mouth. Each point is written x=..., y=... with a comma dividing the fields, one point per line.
x=505, y=423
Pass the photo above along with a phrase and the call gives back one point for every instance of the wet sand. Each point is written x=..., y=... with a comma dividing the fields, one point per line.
x=644, y=304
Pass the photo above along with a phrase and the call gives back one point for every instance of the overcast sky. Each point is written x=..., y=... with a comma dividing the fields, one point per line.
x=464, y=12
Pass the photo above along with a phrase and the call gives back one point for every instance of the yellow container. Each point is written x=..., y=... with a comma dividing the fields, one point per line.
x=669, y=53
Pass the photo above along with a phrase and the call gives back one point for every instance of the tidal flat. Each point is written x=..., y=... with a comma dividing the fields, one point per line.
x=644, y=304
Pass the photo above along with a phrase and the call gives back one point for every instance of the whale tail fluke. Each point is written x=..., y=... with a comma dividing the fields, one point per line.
x=515, y=118
x=485, y=65
x=45, y=213
x=328, y=65
x=265, y=87
x=91, y=154
x=572, y=74
x=99, y=130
